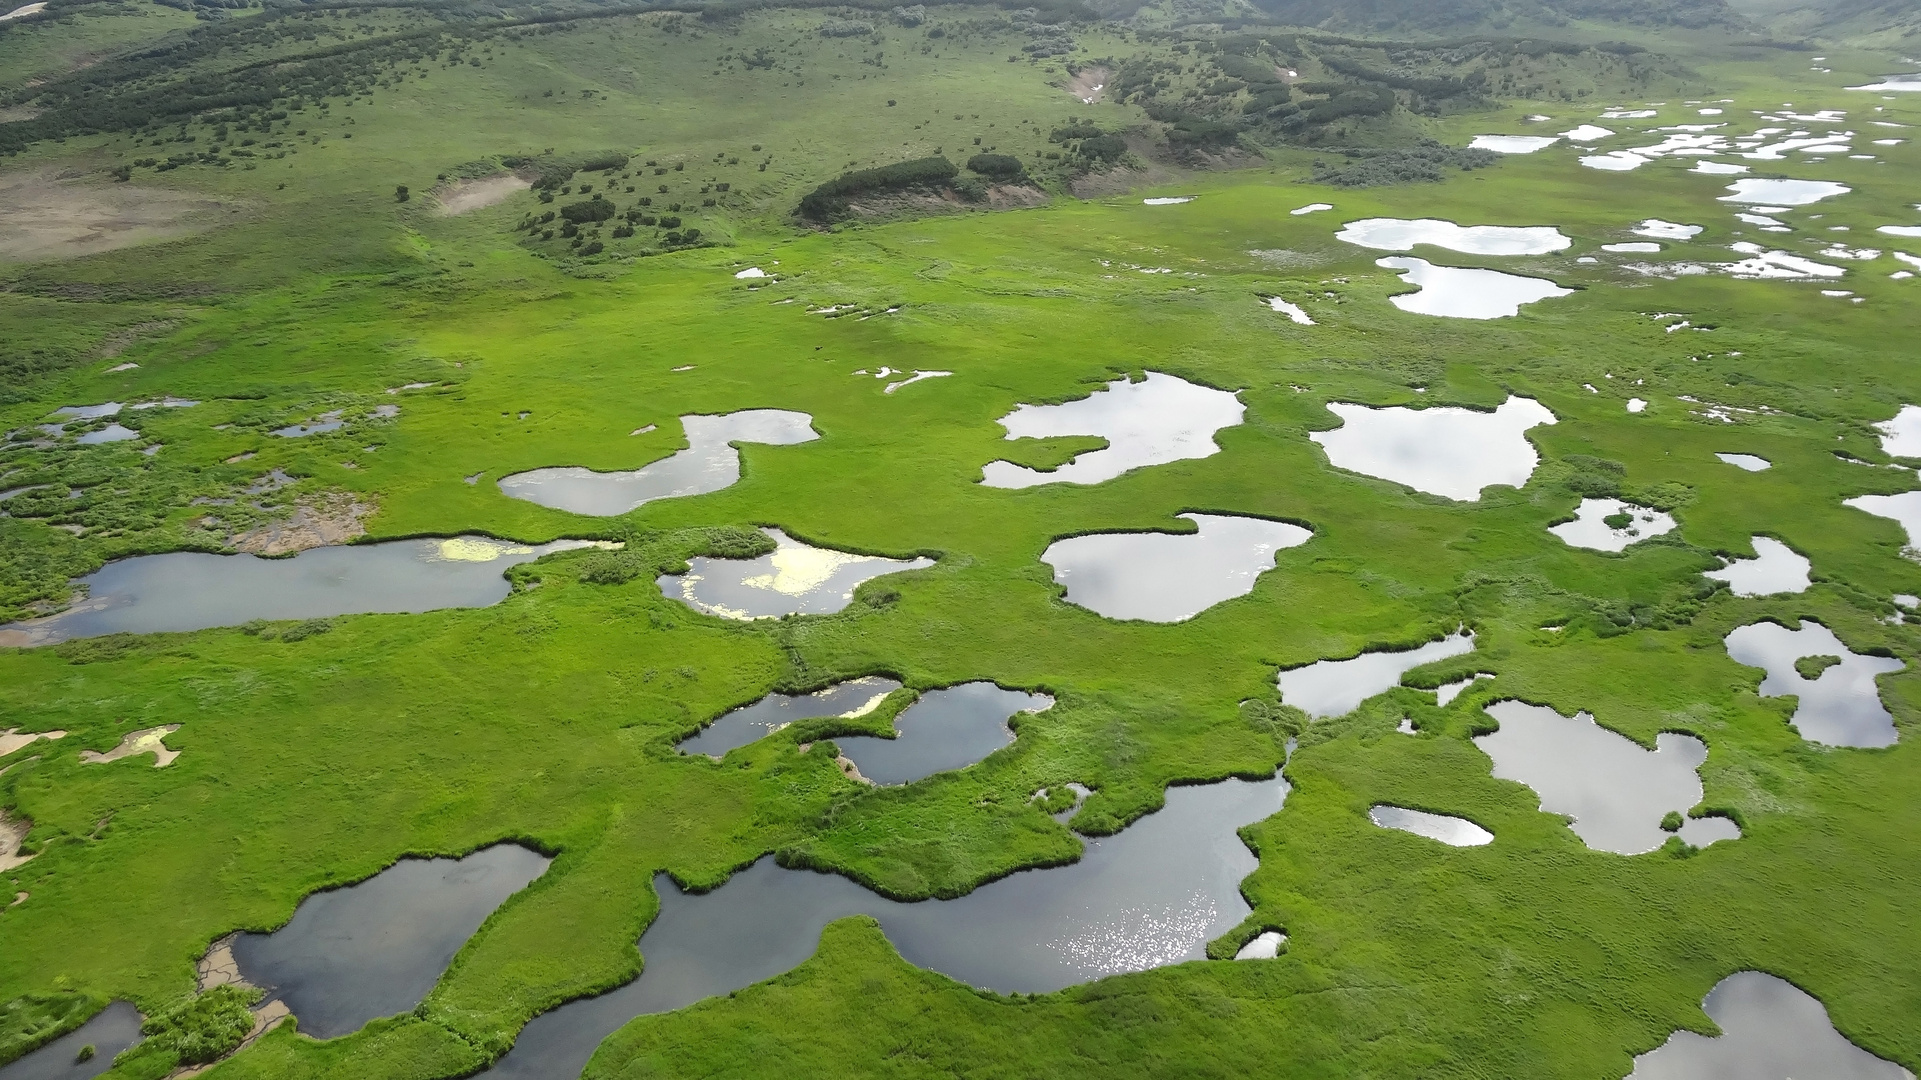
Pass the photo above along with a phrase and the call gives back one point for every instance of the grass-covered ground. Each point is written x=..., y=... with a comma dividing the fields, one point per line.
x=550, y=718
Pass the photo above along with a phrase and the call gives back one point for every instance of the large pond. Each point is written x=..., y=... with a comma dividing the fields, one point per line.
x=709, y=463
x=1775, y=569
x=945, y=729
x=192, y=590
x=111, y=1031
x=1841, y=705
x=374, y=949
x=1616, y=790
x=1783, y=192
x=1443, y=451
x=1455, y=293
x=1336, y=687
x=1770, y=1030
x=1513, y=144
x=793, y=579
x=751, y=723
x=1168, y=577
x=1612, y=525
x=1152, y=422
x=1402, y=234
x=1152, y=895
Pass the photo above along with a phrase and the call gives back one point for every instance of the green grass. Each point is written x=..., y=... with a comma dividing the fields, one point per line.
x=550, y=718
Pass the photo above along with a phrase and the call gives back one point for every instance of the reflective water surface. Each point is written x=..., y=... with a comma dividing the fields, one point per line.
x=193, y=590
x=1901, y=434
x=111, y=1031
x=1152, y=422
x=1590, y=527
x=374, y=949
x=1153, y=894
x=1770, y=1030
x=709, y=463
x=1746, y=462
x=1402, y=234
x=1783, y=192
x=1336, y=687
x=794, y=579
x=1455, y=293
x=946, y=729
x=1168, y=577
x=1444, y=451
x=1776, y=568
x=855, y=697
x=1840, y=707
x=1452, y=831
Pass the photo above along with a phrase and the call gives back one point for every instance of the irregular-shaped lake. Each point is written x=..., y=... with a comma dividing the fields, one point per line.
x=1452, y=831
x=1783, y=192
x=1402, y=234
x=1839, y=707
x=1770, y=1030
x=1775, y=569
x=1616, y=790
x=1901, y=434
x=1337, y=687
x=1904, y=508
x=795, y=579
x=855, y=697
x=1592, y=529
x=1152, y=895
x=1513, y=144
x=111, y=1031
x=192, y=591
x=1446, y=451
x=374, y=949
x=1666, y=230
x=945, y=729
x=1152, y=422
x=1168, y=577
x=709, y=463
x=1455, y=293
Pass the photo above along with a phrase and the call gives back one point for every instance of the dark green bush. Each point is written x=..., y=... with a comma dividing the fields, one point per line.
x=204, y=1028
x=1104, y=148
x=998, y=166
x=597, y=208
x=830, y=198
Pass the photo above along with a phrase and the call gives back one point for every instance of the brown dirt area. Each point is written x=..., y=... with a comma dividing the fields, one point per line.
x=45, y=216
x=460, y=196
x=328, y=519
x=13, y=832
x=1090, y=84
x=135, y=743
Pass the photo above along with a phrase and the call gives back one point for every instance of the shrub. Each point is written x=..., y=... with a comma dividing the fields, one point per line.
x=204, y=1028
x=593, y=247
x=830, y=198
x=401, y=194
x=598, y=208
x=1079, y=129
x=1104, y=148
x=998, y=166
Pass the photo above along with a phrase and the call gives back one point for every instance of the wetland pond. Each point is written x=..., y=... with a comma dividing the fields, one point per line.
x=1337, y=687
x=374, y=949
x=194, y=590
x=1443, y=450
x=1616, y=790
x=1598, y=525
x=1775, y=569
x=1454, y=293
x=1152, y=422
x=1402, y=234
x=1169, y=577
x=946, y=729
x=111, y=1031
x=751, y=723
x=1452, y=831
x=709, y=463
x=1770, y=1030
x=794, y=579
x=1746, y=462
x=1783, y=192
x=1151, y=895
x=1840, y=706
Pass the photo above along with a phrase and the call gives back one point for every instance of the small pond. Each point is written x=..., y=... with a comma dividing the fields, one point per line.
x=1901, y=434
x=1591, y=527
x=1152, y=895
x=1446, y=451
x=1666, y=230
x=192, y=590
x=1747, y=462
x=1513, y=144
x=1452, y=831
x=709, y=463
x=945, y=729
x=374, y=949
x=1775, y=569
x=1770, y=1030
x=1904, y=508
x=111, y=1031
x=1841, y=706
x=1152, y=422
x=1454, y=293
x=1586, y=133
x=1783, y=192
x=795, y=579
x=1905, y=82
x=1616, y=790
x=855, y=697
x=1336, y=687
x=1168, y=577
x=1403, y=234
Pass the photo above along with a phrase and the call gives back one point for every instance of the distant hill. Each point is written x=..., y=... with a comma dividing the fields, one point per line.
x=1447, y=16
x=1883, y=23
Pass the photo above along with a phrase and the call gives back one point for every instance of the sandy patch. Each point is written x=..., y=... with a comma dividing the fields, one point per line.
x=329, y=519
x=460, y=196
x=1014, y=196
x=135, y=743
x=13, y=833
x=45, y=217
x=850, y=770
x=13, y=739
x=218, y=967
x=1090, y=86
x=23, y=12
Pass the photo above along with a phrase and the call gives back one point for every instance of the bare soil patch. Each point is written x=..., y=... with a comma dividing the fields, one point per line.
x=13, y=833
x=1089, y=85
x=44, y=215
x=135, y=743
x=460, y=196
x=328, y=519
x=13, y=739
